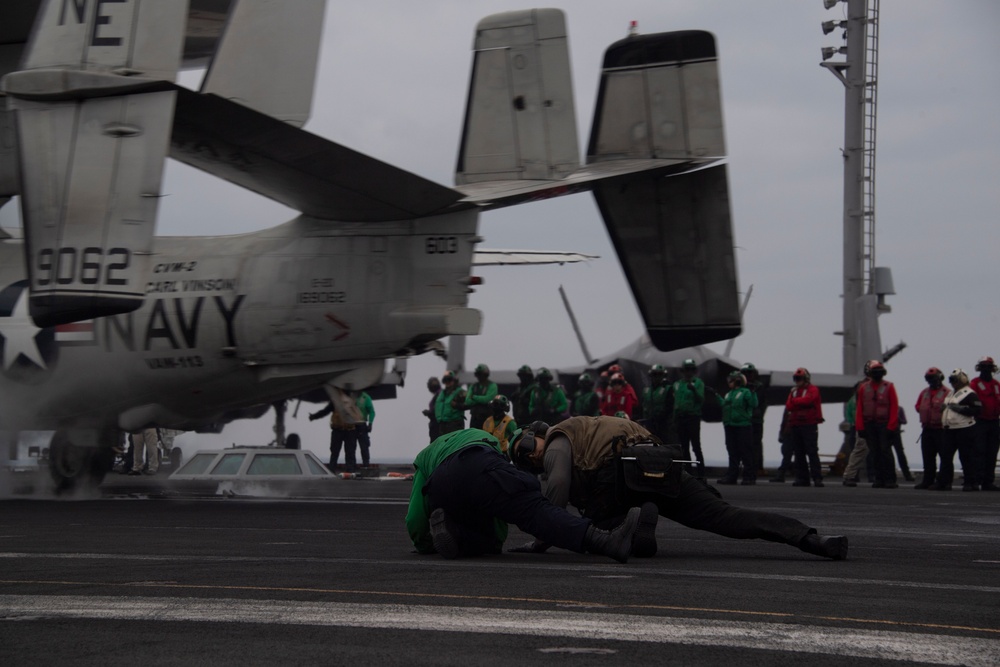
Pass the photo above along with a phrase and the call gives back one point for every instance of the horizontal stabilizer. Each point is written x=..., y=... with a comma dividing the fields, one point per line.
x=94, y=107
x=296, y=168
x=488, y=257
x=674, y=238
x=267, y=57
x=520, y=121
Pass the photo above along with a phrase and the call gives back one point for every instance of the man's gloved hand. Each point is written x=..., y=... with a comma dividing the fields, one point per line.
x=371, y=426
x=533, y=547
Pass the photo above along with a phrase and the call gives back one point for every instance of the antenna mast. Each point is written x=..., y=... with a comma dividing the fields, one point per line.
x=865, y=285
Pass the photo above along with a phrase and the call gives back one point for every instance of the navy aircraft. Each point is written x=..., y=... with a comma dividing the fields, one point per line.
x=107, y=328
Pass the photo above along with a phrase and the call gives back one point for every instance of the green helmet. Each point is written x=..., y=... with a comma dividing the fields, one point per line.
x=449, y=376
x=621, y=415
x=585, y=381
x=482, y=369
x=737, y=378
x=544, y=374
x=657, y=369
x=689, y=363
x=525, y=371
x=501, y=402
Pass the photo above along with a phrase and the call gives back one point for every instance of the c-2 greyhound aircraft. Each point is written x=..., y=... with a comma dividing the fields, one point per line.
x=106, y=328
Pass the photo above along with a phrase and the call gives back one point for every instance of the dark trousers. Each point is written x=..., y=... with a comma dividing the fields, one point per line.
x=989, y=447
x=364, y=443
x=689, y=435
x=758, y=445
x=931, y=447
x=739, y=446
x=805, y=447
x=697, y=506
x=880, y=439
x=477, y=485
x=451, y=427
x=348, y=439
x=966, y=442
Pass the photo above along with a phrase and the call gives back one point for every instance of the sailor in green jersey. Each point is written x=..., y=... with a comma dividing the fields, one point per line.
x=689, y=397
x=448, y=405
x=737, y=411
x=479, y=395
x=364, y=403
x=520, y=398
x=465, y=492
x=657, y=403
x=586, y=402
x=548, y=401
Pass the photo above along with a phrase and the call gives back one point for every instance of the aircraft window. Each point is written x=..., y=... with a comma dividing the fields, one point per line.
x=197, y=465
x=315, y=467
x=229, y=465
x=274, y=464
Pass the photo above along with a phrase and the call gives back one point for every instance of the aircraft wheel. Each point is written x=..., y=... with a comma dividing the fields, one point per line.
x=175, y=459
x=293, y=441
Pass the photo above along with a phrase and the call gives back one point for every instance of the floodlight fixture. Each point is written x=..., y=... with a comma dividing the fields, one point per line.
x=830, y=26
x=831, y=51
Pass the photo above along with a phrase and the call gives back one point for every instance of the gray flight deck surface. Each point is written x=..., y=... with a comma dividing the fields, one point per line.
x=140, y=577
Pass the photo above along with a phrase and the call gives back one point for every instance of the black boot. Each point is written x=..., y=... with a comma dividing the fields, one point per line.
x=442, y=535
x=829, y=546
x=644, y=543
x=615, y=543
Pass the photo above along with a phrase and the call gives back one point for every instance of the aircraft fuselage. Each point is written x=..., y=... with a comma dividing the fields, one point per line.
x=231, y=322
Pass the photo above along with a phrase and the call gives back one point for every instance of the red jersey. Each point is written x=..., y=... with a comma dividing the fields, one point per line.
x=989, y=393
x=804, y=406
x=877, y=404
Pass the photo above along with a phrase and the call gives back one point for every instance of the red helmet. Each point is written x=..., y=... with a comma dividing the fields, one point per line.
x=614, y=368
x=801, y=373
x=876, y=369
x=617, y=378
x=934, y=373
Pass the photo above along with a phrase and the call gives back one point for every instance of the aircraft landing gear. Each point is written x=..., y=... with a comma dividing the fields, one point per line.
x=80, y=459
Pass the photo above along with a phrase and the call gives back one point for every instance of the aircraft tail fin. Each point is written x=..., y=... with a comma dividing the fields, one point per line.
x=94, y=107
x=266, y=59
x=520, y=122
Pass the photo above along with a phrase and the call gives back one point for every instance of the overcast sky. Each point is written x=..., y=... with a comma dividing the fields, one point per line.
x=392, y=83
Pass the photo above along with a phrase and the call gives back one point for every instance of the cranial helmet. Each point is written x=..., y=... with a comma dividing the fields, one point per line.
x=585, y=381
x=500, y=402
x=482, y=369
x=986, y=363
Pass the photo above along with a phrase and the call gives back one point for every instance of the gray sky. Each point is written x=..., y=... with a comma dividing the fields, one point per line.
x=392, y=83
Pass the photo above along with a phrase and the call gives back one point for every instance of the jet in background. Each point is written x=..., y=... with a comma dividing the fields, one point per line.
x=106, y=328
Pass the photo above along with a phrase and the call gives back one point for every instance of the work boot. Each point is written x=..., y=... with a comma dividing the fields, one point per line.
x=616, y=543
x=726, y=480
x=849, y=481
x=443, y=535
x=779, y=477
x=818, y=481
x=644, y=543
x=829, y=546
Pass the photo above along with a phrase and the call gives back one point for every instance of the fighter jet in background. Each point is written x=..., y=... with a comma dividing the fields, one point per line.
x=106, y=328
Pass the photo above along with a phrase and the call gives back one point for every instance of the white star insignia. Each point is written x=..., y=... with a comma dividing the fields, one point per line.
x=19, y=333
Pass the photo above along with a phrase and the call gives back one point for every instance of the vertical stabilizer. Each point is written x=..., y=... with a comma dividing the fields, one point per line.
x=520, y=122
x=267, y=57
x=94, y=108
x=659, y=98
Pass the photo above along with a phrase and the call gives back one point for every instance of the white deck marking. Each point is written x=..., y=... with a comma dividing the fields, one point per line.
x=884, y=645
